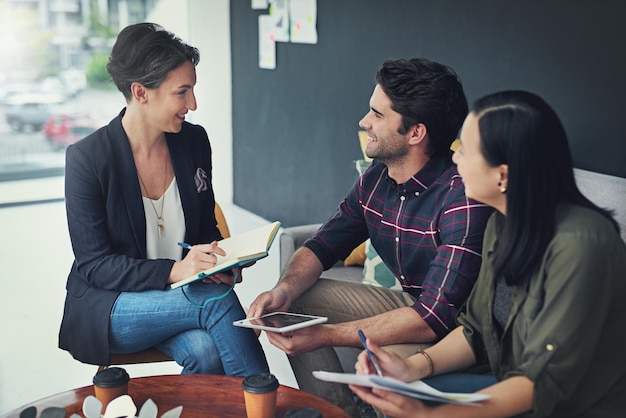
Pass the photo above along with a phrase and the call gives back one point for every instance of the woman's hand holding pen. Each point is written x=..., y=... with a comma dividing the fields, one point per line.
x=391, y=364
x=390, y=403
x=200, y=257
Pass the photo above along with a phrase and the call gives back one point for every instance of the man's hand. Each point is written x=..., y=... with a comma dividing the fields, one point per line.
x=301, y=340
x=275, y=300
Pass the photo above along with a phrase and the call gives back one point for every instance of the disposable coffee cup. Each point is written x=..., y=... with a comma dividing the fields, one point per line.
x=109, y=384
x=304, y=413
x=259, y=392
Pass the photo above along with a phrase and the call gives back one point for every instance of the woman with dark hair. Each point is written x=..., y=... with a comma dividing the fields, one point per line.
x=133, y=190
x=548, y=310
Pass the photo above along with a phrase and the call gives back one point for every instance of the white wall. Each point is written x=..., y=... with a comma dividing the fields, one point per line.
x=206, y=25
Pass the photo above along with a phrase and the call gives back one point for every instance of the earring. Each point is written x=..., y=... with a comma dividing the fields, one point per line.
x=502, y=188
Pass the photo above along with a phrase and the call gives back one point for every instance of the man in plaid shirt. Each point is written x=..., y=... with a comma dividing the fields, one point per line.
x=411, y=204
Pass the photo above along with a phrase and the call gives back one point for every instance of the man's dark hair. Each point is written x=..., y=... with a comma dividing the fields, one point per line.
x=426, y=92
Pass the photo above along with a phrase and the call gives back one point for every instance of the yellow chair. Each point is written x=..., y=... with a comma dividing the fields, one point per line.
x=152, y=355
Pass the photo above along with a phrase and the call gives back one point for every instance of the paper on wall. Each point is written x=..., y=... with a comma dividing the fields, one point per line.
x=267, y=43
x=303, y=21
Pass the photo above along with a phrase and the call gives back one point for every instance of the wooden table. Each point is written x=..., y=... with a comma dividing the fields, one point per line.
x=200, y=395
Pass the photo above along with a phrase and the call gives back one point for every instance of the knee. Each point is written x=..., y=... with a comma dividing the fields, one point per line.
x=197, y=363
x=201, y=356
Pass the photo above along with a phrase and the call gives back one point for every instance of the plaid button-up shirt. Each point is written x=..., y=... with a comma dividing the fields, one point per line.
x=426, y=231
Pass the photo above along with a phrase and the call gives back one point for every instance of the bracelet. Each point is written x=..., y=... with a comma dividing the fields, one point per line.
x=430, y=362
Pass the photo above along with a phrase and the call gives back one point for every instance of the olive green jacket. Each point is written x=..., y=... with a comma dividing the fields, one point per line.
x=566, y=329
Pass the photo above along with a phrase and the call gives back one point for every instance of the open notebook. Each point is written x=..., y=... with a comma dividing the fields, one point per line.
x=241, y=250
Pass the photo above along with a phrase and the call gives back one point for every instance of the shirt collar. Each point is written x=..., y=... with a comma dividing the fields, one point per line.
x=424, y=178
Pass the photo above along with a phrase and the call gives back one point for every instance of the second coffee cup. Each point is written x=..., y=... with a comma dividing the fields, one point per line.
x=260, y=395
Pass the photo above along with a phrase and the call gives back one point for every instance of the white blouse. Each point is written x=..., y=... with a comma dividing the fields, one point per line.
x=171, y=210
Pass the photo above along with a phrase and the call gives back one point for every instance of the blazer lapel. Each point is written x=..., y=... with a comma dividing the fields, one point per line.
x=125, y=165
x=184, y=172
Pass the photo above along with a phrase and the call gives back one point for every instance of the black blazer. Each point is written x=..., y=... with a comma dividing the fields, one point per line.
x=107, y=227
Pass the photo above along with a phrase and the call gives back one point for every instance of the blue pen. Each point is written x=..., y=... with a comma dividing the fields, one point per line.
x=370, y=354
x=188, y=246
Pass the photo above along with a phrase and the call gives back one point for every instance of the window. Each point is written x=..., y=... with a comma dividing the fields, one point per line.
x=54, y=87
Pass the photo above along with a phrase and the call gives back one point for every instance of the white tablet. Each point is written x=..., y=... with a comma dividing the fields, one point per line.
x=281, y=321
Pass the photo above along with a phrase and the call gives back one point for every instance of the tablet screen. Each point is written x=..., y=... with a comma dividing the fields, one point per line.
x=281, y=321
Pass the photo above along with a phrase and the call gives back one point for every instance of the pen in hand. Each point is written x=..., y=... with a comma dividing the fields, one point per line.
x=188, y=246
x=370, y=354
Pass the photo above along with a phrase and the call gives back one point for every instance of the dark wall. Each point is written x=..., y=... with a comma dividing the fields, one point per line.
x=295, y=128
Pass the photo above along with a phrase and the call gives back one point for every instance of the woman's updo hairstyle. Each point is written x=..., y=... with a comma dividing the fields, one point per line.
x=145, y=53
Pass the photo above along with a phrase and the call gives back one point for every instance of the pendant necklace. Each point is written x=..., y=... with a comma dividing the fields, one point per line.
x=160, y=222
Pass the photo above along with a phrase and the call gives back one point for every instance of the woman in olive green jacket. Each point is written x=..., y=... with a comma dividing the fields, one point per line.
x=549, y=307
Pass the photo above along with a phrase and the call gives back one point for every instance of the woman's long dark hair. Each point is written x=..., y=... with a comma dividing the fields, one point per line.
x=521, y=130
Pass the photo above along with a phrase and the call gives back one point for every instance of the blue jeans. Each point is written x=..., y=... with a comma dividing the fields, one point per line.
x=202, y=339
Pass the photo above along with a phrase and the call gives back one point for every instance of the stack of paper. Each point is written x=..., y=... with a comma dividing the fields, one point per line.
x=417, y=389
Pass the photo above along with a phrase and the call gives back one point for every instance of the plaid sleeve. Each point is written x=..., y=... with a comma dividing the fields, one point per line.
x=340, y=234
x=455, y=268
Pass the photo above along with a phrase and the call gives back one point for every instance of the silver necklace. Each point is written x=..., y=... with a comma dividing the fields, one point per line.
x=160, y=222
